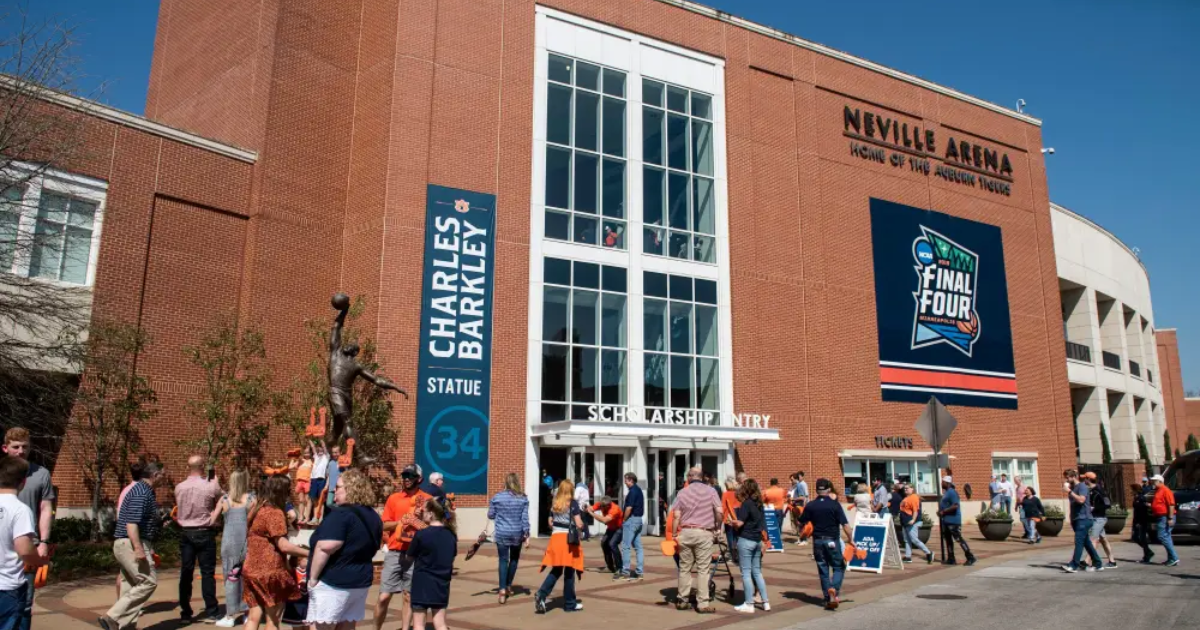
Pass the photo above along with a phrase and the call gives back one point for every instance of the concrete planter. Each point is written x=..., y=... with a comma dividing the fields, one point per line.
x=1115, y=524
x=1050, y=526
x=923, y=533
x=995, y=530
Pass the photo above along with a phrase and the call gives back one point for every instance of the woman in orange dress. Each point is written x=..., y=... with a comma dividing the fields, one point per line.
x=268, y=583
x=563, y=558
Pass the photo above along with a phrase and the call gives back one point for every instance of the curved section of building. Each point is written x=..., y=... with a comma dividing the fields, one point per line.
x=1108, y=325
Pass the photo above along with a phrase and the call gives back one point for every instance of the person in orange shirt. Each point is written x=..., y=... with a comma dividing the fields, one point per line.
x=303, y=476
x=1162, y=509
x=729, y=506
x=910, y=520
x=402, y=517
x=609, y=513
x=776, y=497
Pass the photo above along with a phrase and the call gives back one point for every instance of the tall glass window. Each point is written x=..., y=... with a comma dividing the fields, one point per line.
x=680, y=336
x=583, y=338
x=585, y=153
x=679, y=192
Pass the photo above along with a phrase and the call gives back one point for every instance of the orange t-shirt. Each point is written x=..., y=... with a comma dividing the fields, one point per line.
x=399, y=505
x=911, y=505
x=304, y=471
x=1163, y=499
x=776, y=497
x=614, y=513
x=729, y=505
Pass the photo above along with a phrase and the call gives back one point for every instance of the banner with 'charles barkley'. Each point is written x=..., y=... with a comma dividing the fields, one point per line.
x=941, y=299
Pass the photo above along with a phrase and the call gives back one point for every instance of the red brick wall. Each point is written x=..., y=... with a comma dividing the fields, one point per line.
x=356, y=106
x=1179, y=421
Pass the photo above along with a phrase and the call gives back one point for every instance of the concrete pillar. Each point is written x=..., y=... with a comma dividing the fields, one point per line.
x=1112, y=327
x=1080, y=324
x=1090, y=412
x=1122, y=426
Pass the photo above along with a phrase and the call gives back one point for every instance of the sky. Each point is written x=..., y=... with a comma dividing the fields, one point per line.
x=1114, y=82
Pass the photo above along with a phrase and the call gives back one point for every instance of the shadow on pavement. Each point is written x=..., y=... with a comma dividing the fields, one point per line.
x=804, y=597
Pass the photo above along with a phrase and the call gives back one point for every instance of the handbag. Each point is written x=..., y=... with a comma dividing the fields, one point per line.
x=572, y=531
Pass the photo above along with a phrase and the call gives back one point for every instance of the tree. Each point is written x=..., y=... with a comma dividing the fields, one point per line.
x=111, y=404
x=1167, y=447
x=237, y=397
x=1191, y=444
x=1191, y=393
x=375, y=438
x=1105, y=450
x=42, y=324
x=1144, y=454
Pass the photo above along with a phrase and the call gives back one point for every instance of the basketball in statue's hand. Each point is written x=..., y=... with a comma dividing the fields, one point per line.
x=341, y=301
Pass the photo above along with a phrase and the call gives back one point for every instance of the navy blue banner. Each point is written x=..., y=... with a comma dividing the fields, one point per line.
x=455, y=371
x=870, y=542
x=774, y=529
x=941, y=299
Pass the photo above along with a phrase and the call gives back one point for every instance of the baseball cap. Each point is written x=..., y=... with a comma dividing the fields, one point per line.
x=824, y=484
x=947, y=479
x=411, y=470
x=1089, y=475
x=1156, y=478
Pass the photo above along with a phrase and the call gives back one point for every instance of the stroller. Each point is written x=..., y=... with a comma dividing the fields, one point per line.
x=720, y=566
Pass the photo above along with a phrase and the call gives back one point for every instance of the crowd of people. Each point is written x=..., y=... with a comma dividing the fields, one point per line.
x=1153, y=518
x=271, y=580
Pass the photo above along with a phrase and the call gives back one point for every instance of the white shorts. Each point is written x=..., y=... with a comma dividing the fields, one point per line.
x=327, y=604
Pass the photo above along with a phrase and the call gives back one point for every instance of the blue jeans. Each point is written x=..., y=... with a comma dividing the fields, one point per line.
x=912, y=538
x=610, y=545
x=27, y=612
x=631, y=536
x=750, y=554
x=12, y=608
x=1030, y=529
x=1164, y=537
x=731, y=540
x=1083, y=541
x=509, y=556
x=568, y=585
x=831, y=566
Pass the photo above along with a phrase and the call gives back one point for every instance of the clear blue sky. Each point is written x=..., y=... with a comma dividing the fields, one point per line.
x=1115, y=82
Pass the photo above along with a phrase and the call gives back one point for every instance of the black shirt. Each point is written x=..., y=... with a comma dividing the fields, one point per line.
x=1033, y=507
x=826, y=515
x=894, y=504
x=751, y=516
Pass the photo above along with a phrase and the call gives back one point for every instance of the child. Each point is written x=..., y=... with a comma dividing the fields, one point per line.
x=432, y=550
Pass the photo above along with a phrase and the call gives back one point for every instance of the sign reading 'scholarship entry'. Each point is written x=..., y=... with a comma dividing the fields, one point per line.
x=941, y=298
x=455, y=370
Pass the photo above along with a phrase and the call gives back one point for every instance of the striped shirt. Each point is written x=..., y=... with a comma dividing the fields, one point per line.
x=511, y=513
x=698, y=506
x=140, y=508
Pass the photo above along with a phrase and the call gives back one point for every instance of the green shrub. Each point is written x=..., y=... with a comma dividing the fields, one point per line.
x=1053, y=511
x=989, y=515
x=1116, y=512
x=73, y=529
x=926, y=520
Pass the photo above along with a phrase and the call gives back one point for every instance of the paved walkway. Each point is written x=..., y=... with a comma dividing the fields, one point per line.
x=791, y=578
x=1031, y=593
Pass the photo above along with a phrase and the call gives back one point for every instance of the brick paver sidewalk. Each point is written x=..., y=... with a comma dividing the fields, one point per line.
x=791, y=578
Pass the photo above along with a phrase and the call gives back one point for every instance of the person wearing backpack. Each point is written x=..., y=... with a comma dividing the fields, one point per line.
x=1100, y=503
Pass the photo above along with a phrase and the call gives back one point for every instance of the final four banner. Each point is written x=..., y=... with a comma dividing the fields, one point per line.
x=941, y=298
x=455, y=371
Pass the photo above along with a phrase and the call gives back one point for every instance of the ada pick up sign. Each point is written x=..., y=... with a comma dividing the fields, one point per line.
x=870, y=535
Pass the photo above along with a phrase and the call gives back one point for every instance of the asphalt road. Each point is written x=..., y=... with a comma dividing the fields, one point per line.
x=1033, y=593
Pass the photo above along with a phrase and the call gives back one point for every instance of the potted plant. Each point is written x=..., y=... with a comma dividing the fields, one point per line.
x=1116, y=519
x=994, y=524
x=1052, y=523
x=926, y=529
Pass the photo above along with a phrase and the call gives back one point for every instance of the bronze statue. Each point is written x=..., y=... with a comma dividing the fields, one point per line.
x=343, y=370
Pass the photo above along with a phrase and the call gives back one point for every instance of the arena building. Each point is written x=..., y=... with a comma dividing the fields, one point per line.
x=598, y=238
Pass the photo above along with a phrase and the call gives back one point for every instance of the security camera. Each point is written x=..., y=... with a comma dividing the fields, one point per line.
x=1049, y=150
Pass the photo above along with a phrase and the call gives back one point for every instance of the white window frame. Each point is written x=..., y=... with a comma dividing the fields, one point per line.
x=571, y=36
x=38, y=179
x=1011, y=466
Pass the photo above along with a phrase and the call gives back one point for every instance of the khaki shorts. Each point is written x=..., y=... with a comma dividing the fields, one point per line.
x=396, y=575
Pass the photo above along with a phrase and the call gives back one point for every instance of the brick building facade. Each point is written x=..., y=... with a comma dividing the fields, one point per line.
x=347, y=111
x=1183, y=413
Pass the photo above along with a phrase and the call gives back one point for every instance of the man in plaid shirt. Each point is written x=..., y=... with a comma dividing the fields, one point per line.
x=697, y=520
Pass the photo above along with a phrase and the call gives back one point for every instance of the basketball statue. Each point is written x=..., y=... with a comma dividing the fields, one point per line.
x=344, y=369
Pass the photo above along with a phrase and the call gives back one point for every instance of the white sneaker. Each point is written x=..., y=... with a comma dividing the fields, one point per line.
x=766, y=606
x=226, y=622
x=803, y=543
x=745, y=608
